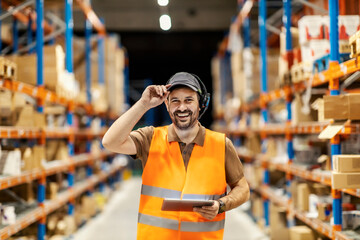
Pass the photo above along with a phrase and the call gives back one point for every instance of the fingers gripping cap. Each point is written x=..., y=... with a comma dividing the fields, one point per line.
x=184, y=79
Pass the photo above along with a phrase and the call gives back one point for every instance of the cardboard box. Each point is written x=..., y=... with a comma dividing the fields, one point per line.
x=27, y=159
x=345, y=180
x=354, y=106
x=303, y=192
x=324, y=211
x=346, y=163
x=310, y=28
x=257, y=208
x=301, y=233
x=39, y=156
x=278, y=223
x=342, y=107
x=52, y=190
x=298, y=116
x=89, y=206
x=336, y=107
x=54, y=65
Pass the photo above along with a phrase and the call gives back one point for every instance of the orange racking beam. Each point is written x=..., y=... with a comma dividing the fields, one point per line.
x=92, y=17
x=24, y=18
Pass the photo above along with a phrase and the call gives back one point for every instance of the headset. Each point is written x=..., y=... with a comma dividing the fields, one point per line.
x=204, y=95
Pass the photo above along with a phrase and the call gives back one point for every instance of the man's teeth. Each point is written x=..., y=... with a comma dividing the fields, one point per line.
x=183, y=114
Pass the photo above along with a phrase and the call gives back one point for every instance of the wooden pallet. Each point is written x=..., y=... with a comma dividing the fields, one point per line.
x=300, y=72
x=354, y=42
x=7, y=68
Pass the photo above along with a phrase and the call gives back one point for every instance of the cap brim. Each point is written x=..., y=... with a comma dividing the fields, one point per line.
x=176, y=85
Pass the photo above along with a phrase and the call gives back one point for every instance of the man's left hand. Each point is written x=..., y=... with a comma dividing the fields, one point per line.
x=208, y=212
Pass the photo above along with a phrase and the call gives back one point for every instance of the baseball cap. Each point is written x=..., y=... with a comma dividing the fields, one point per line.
x=184, y=79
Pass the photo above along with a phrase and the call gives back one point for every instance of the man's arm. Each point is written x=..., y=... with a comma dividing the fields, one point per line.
x=117, y=138
x=239, y=194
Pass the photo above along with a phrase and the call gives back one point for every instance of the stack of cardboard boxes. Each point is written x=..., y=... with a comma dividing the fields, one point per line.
x=110, y=94
x=346, y=172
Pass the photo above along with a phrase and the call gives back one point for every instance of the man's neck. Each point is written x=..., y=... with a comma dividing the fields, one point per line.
x=187, y=135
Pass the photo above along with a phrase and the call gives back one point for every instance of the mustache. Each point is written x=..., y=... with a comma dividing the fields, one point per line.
x=186, y=111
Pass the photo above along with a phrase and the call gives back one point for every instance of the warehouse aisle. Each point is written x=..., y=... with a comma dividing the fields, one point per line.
x=118, y=220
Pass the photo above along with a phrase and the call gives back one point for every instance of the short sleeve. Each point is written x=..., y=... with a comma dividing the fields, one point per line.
x=142, y=139
x=233, y=166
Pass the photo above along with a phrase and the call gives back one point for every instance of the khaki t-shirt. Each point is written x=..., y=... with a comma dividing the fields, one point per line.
x=142, y=139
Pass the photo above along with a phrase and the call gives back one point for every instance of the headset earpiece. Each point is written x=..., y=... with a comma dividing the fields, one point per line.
x=204, y=97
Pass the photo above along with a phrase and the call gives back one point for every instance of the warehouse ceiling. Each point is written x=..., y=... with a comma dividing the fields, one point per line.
x=143, y=15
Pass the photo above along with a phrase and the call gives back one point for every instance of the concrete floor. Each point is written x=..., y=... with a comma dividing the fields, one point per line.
x=119, y=218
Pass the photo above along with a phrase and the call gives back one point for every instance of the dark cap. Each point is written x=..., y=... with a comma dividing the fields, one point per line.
x=184, y=79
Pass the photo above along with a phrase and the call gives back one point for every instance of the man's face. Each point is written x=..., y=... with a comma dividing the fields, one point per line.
x=183, y=107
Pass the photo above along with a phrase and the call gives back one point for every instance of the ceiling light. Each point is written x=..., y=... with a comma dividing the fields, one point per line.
x=165, y=22
x=163, y=3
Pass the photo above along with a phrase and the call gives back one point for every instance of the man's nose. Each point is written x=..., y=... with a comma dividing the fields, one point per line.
x=182, y=107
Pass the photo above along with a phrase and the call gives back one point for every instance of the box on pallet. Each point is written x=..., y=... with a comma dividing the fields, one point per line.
x=347, y=24
x=310, y=28
x=314, y=49
x=354, y=42
x=114, y=61
x=346, y=163
x=252, y=71
x=54, y=58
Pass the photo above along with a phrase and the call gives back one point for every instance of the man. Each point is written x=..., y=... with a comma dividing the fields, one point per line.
x=183, y=160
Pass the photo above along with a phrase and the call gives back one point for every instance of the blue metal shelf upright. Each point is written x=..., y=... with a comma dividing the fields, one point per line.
x=334, y=90
x=289, y=137
x=40, y=104
x=264, y=90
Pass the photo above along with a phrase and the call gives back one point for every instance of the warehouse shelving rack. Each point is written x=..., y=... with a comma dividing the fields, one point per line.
x=330, y=77
x=41, y=134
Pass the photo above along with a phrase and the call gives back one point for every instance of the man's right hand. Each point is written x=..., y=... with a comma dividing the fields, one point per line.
x=154, y=95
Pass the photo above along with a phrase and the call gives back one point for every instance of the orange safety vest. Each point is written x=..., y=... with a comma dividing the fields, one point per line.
x=165, y=176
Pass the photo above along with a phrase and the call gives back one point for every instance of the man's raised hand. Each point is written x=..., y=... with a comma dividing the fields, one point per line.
x=154, y=95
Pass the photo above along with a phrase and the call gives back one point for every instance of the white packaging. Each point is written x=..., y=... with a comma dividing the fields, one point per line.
x=12, y=165
x=310, y=28
x=347, y=25
x=8, y=215
x=314, y=49
x=313, y=202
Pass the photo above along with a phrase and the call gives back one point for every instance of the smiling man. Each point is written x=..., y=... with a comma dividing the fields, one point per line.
x=183, y=160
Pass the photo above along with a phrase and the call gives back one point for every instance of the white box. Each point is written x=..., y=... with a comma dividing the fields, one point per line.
x=314, y=49
x=310, y=28
x=347, y=24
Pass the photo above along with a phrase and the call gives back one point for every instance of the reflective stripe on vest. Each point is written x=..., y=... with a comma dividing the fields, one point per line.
x=159, y=192
x=202, y=226
x=168, y=193
x=185, y=226
x=158, y=221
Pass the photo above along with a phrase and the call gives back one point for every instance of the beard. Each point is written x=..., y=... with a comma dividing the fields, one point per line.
x=184, y=124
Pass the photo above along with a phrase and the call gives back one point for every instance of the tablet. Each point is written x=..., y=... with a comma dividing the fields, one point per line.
x=171, y=204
